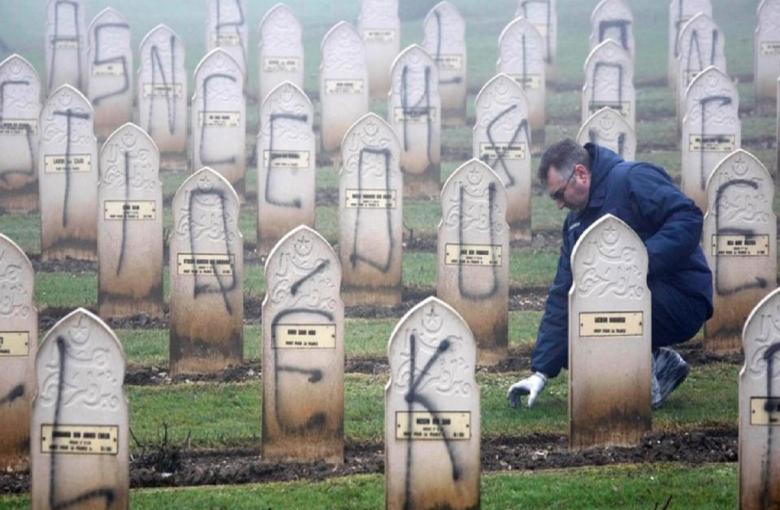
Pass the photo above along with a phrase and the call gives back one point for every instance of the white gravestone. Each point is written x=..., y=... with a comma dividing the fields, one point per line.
x=777, y=130
x=414, y=112
x=207, y=269
x=445, y=40
x=680, y=11
x=371, y=214
x=380, y=28
x=711, y=130
x=473, y=256
x=612, y=19
x=609, y=82
x=303, y=351
x=68, y=177
x=432, y=412
x=501, y=138
x=766, y=53
x=219, y=118
x=521, y=56
x=701, y=45
x=759, y=408
x=543, y=15
x=162, y=90
x=226, y=28
x=343, y=83
x=79, y=435
x=609, y=129
x=20, y=107
x=280, y=49
x=739, y=241
x=130, y=226
x=66, y=44
x=609, y=337
x=286, y=160
x=18, y=345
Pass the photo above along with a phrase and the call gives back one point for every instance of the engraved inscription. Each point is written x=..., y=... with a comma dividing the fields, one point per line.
x=18, y=126
x=14, y=344
x=418, y=425
x=219, y=119
x=712, y=143
x=80, y=439
x=131, y=210
x=281, y=65
x=162, y=90
x=450, y=62
x=108, y=69
x=304, y=336
x=418, y=115
x=472, y=254
x=740, y=245
x=287, y=159
x=765, y=411
x=379, y=35
x=490, y=151
x=206, y=264
x=605, y=324
x=371, y=199
x=529, y=81
x=343, y=86
x=770, y=48
x=61, y=164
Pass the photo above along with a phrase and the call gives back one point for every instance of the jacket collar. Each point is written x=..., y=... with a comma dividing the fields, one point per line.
x=599, y=169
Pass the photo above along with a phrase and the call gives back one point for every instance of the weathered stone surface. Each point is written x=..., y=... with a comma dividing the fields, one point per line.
x=286, y=173
x=162, y=90
x=303, y=351
x=18, y=345
x=613, y=19
x=414, y=112
x=66, y=44
x=680, y=11
x=280, y=49
x=79, y=431
x=610, y=363
x=609, y=81
x=130, y=226
x=739, y=241
x=432, y=412
x=207, y=271
x=380, y=28
x=766, y=50
x=711, y=130
x=609, y=129
x=226, y=28
x=219, y=118
x=343, y=83
x=759, y=387
x=20, y=108
x=444, y=39
x=543, y=15
x=68, y=177
x=371, y=214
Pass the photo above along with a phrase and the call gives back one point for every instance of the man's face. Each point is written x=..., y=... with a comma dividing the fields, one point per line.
x=571, y=191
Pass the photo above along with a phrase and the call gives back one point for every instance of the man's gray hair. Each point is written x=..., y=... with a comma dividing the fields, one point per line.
x=563, y=156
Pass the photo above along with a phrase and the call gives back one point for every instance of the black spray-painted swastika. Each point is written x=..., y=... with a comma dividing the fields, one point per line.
x=69, y=116
x=269, y=198
x=121, y=59
x=356, y=256
x=168, y=86
x=4, y=85
x=57, y=38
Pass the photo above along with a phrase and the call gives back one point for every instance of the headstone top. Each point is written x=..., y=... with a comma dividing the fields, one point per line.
x=609, y=50
x=502, y=83
x=378, y=13
x=742, y=167
x=768, y=16
x=108, y=15
x=511, y=38
x=67, y=97
x=343, y=50
x=17, y=279
x=609, y=128
x=161, y=31
x=415, y=57
x=611, y=9
x=712, y=81
x=759, y=334
x=218, y=61
x=610, y=16
x=280, y=30
x=453, y=26
x=368, y=126
x=17, y=68
x=145, y=155
x=478, y=181
x=205, y=180
x=18, y=65
x=288, y=97
x=704, y=24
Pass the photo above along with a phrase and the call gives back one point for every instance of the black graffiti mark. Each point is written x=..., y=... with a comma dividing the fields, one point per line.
x=203, y=159
x=317, y=270
x=15, y=393
x=679, y=23
x=68, y=114
x=416, y=110
x=57, y=38
x=524, y=6
x=724, y=101
x=593, y=137
x=695, y=42
x=170, y=90
x=769, y=406
x=618, y=104
x=237, y=24
x=438, y=57
x=475, y=296
x=500, y=153
x=27, y=129
x=106, y=493
x=621, y=24
x=120, y=59
x=296, y=202
x=356, y=257
x=123, y=243
x=759, y=283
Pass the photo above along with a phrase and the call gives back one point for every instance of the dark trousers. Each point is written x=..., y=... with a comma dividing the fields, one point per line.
x=677, y=317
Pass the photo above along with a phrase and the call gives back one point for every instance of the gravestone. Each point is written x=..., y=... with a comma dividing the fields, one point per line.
x=766, y=54
x=613, y=19
x=286, y=165
x=701, y=45
x=543, y=15
x=371, y=214
x=432, y=412
x=759, y=408
x=680, y=11
x=68, y=177
x=343, y=84
x=79, y=430
x=502, y=140
x=609, y=129
x=66, y=44
x=739, y=241
x=226, y=28
x=444, y=32
x=219, y=118
x=777, y=130
x=521, y=56
x=130, y=226
x=380, y=28
x=207, y=269
x=18, y=344
x=303, y=351
x=20, y=107
x=711, y=130
x=280, y=49
x=162, y=90
x=473, y=256
x=110, y=71
x=414, y=112
x=609, y=82
x=610, y=363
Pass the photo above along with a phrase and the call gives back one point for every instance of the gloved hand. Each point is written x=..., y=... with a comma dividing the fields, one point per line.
x=531, y=386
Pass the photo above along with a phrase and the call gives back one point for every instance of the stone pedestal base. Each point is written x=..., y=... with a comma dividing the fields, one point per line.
x=426, y=185
x=371, y=296
x=20, y=201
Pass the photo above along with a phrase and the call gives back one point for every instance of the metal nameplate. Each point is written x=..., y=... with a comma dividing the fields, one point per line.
x=227, y=40
x=740, y=245
x=162, y=90
x=450, y=62
x=132, y=210
x=472, y=254
x=343, y=86
x=305, y=336
x=712, y=143
x=281, y=64
x=765, y=411
x=66, y=44
x=414, y=115
x=14, y=344
x=371, y=199
x=74, y=163
x=610, y=324
x=770, y=48
x=529, y=81
x=219, y=119
x=449, y=425
x=80, y=439
x=205, y=264
x=491, y=151
x=379, y=35
x=300, y=160
x=623, y=108
x=108, y=69
x=18, y=126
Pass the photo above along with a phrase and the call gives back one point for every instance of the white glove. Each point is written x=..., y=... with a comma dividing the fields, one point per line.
x=530, y=386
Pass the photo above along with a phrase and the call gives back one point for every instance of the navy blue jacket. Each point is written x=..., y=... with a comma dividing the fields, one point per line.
x=669, y=223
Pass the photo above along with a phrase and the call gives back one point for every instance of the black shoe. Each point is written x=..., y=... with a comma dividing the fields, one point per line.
x=670, y=370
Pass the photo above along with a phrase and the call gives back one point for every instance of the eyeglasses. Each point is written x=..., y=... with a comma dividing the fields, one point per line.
x=557, y=195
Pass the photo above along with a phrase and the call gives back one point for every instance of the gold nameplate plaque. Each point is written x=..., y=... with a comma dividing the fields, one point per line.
x=472, y=254
x=490, y=151
x=530, y=82
x=610, y=324
x=770, y=48
x=108, y=69
x=414, y=115
x=740, y=245
x=712, y=143
x=450, y=62
x=75, y=163
x=371, y=199
x=14, y=344
x=205, y=264
x=132, y=210
x=18, y=126
x=299, y=160
x=379, y=35
x=765, y=411
x=162, y=90
x=80, y=439
x=441, y=425
x=281, y=65
x=219, y=119
x=227, y=40
x=66, y=45
x=305, y=336
x=343, y=86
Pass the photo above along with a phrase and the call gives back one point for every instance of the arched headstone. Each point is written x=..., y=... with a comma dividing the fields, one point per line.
x=543, y=15
x=609, y=82
x=609, y=129
x=66, y=44
x=380, y=28
x=766, y=50
x=613, y=19
x=280, y=49
x=444, y=39
x=226, y=28
x=680, y=11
